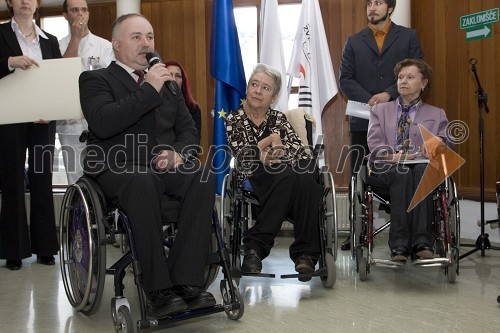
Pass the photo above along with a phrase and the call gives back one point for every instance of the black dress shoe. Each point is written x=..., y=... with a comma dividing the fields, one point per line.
x=399, y=253
x=346, y=245
x=163, y=303
x=195, y=297
x=423, y=251
x=251, y=263
x=14, y=265
x=304, y=265
x=46, y=260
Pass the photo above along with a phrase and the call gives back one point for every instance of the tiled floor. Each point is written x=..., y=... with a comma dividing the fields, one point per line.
x=409, y=299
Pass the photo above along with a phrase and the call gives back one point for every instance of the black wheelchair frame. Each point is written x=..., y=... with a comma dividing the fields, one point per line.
x=446, y=226
x=87, y=225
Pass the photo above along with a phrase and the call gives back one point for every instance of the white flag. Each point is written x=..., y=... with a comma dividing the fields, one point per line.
x=311, y=63
x=271, y=47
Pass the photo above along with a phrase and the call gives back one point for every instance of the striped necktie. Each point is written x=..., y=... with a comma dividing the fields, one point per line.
x=140, y=74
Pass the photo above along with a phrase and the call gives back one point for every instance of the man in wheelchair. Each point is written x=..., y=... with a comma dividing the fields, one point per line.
x=272, y=157
x=141, y=136
x=394, y=139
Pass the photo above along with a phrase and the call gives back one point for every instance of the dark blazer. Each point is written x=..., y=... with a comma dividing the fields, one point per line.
x=364, y=71
x=383, y=119
x=9, y=46
x=131, y=124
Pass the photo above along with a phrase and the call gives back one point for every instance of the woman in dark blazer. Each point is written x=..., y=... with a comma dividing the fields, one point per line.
x=22, y=45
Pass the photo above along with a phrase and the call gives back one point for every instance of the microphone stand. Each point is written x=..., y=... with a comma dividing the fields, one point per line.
x=482, y=242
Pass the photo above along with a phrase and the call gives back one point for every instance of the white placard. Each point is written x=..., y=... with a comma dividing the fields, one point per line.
x=358, y=109
x=48, y=92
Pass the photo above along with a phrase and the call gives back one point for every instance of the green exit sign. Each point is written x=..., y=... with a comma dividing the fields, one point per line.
x=478, y=25
x=480, y=18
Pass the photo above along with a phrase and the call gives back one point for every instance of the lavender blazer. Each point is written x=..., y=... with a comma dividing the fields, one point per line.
x=382, y=126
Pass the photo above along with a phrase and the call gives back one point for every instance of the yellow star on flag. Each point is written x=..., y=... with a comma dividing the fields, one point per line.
x=222, y=113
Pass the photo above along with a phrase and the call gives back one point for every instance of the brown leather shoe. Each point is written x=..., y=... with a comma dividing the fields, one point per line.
x=304, y=265
x=423, y=251
x=399, y=253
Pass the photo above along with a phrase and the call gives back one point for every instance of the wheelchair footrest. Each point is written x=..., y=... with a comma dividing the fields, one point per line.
x=319, y=272
x=430, y=262
x=261, y=275
x=144, y=324
x=387, y=263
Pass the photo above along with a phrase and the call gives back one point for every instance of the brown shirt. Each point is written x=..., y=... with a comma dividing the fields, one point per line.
x=380, y=34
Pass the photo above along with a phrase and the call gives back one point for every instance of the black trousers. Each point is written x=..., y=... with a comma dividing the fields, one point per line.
x=138, y=190
x=407, y=228
x=17, y=240
x=284, y=192
x=359, y=148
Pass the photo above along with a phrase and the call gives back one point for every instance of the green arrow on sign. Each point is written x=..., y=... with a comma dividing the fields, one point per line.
x=478, y=32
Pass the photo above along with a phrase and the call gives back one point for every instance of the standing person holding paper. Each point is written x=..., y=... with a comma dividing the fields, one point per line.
x=23, y=45
x=366, y=69
x=96, y=52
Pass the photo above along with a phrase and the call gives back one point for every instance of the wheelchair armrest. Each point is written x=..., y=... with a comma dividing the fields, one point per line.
x=318, y=150
x=84, y=136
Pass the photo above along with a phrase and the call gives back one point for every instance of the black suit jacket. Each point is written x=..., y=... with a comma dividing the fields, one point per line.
x=129, y=124
x=364, y=71
x=9, y=46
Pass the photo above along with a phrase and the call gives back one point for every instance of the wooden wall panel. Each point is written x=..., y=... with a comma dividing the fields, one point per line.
x=447, y=51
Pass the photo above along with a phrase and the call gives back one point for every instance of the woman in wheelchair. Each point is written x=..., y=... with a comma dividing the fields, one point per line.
x=394, y=137
x=271, y=156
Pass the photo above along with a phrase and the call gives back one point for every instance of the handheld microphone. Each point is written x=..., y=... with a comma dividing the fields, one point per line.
x=153, y=60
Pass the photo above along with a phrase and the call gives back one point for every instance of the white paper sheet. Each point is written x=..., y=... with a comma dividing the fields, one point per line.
x=48, y=92
x=358, y=109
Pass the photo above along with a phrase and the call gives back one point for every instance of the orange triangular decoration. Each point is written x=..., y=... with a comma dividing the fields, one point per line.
x=438, y=169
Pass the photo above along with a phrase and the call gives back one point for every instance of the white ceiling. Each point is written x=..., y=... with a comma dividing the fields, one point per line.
x=49, y=3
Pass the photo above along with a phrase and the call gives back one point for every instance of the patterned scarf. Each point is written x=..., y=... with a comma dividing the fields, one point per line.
x=403, y=124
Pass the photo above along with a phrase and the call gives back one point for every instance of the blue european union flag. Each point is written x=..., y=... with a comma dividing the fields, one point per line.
x=226, y=66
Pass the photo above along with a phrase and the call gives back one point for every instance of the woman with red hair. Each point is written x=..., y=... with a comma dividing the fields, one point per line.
x=180, y=77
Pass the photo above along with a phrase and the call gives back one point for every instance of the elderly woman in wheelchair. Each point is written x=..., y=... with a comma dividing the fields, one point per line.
x=394, y=139
x=271, y=156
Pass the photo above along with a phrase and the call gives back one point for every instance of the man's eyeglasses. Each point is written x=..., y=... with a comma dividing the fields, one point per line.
x=75, y=10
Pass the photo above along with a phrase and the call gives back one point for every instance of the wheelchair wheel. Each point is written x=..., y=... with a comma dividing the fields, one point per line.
x=227, y=300
x=355, y=213
x=451, y=270
x=231, y=232
x=82, y=249
x=329, y=216
x=212, y=269
x=329, y=280
x=359, y=255
x=363, y=269
x=454, y=221
x=124, y=322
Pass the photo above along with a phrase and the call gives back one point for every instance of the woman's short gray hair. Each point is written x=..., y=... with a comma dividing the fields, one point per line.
x=272, y=72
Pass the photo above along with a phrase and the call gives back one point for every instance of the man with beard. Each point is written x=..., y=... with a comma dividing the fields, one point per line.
x=367, y=70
